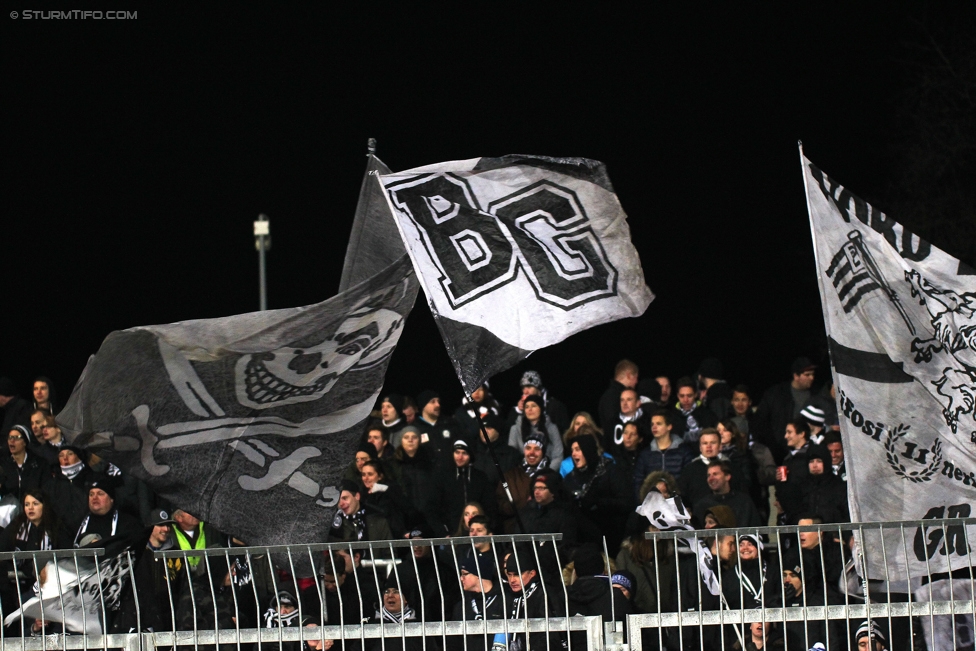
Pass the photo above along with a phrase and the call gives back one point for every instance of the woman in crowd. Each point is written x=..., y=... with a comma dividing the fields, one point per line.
x=471, y=509
x=533, y=417
x=413, y=467
x=36, y=528
x=654, y=568
x=385, y=496
x=602, y=494
x=22, y=470
x=582, y=423
x=735, y=446
x=757, y=459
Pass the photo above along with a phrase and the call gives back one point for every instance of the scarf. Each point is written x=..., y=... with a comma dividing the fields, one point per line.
x=73, y=470
x=274, y=619
x=754, y=589
x=23, y=535
x=406, y=614
x=84, y=526
x=629, y=419
x=531, y=471
x=694, y=429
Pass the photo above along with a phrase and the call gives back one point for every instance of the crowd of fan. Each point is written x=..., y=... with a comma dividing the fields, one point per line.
x=420, y=473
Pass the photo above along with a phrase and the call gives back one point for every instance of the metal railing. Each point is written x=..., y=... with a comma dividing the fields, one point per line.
x=400, y=594
x=912, y=582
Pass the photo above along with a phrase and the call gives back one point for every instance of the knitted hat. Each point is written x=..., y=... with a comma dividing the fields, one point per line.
x=536, y=438
x=625, y=579
x=551, y=478
x=494, y=422
x=819, y=452
x=588, y=560
x=521, y=559
x=813, y=414
x=870, y=628
x=531, y=379
x=24, y=432
x=536, y=399
x=426, y=396
x=352, y=486
x=104, y=485
x=754, y=539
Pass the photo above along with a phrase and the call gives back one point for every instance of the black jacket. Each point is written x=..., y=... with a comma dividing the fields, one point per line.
x=33, y=474
x=417, y=477
x=556, y=517
x=775, y=410
x=826, y=496
x=457, y=487
x=591, y=595
x=790, y=492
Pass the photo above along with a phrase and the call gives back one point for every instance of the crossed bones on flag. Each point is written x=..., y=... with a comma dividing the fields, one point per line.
x=265, y=380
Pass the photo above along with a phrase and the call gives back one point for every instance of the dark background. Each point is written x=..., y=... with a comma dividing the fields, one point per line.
x=137, y=153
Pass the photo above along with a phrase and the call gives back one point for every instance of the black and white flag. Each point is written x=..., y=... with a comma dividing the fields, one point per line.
x=515, y=254
x=247, y=421
x=901, y=322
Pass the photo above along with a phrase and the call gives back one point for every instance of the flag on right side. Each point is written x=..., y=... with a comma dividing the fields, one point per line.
x=901, y=324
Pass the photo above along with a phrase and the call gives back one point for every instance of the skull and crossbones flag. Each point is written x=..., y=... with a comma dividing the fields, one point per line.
x=901, y=324
x=233, y=418
x=515, y=254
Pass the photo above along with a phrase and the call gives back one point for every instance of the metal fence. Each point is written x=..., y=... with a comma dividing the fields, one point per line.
x=312, y=597
x=911, y=581
x=908, y=584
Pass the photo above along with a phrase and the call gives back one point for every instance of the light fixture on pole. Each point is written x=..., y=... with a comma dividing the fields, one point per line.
x=262, y=242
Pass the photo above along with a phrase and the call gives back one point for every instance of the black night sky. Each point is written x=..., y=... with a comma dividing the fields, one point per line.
x=137, y=153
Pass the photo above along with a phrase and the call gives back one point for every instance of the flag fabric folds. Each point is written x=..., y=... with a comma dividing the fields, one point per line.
x=247, y=421
x=901, y=324
x=515, y=254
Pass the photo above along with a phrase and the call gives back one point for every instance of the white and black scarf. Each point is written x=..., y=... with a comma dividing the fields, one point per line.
x=406, y=614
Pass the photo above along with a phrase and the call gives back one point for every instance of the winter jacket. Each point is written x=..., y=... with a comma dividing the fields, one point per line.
x=455, y=488
x=826, y=496
x=672, y=460
x=591, y=595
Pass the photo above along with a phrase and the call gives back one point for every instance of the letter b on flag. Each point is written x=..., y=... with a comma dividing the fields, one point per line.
x=542, y=228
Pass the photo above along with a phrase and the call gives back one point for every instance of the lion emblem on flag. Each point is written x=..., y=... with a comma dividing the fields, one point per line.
x=953, y=319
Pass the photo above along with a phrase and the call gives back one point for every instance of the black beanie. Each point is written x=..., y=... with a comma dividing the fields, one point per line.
x=425, y=397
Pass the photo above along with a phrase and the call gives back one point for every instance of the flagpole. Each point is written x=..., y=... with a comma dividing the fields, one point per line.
x=501, y=475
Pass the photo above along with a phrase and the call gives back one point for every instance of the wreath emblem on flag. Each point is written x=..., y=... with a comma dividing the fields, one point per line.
x=915, y=476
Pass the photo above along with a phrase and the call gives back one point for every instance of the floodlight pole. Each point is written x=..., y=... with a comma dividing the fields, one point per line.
x=262, y=242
